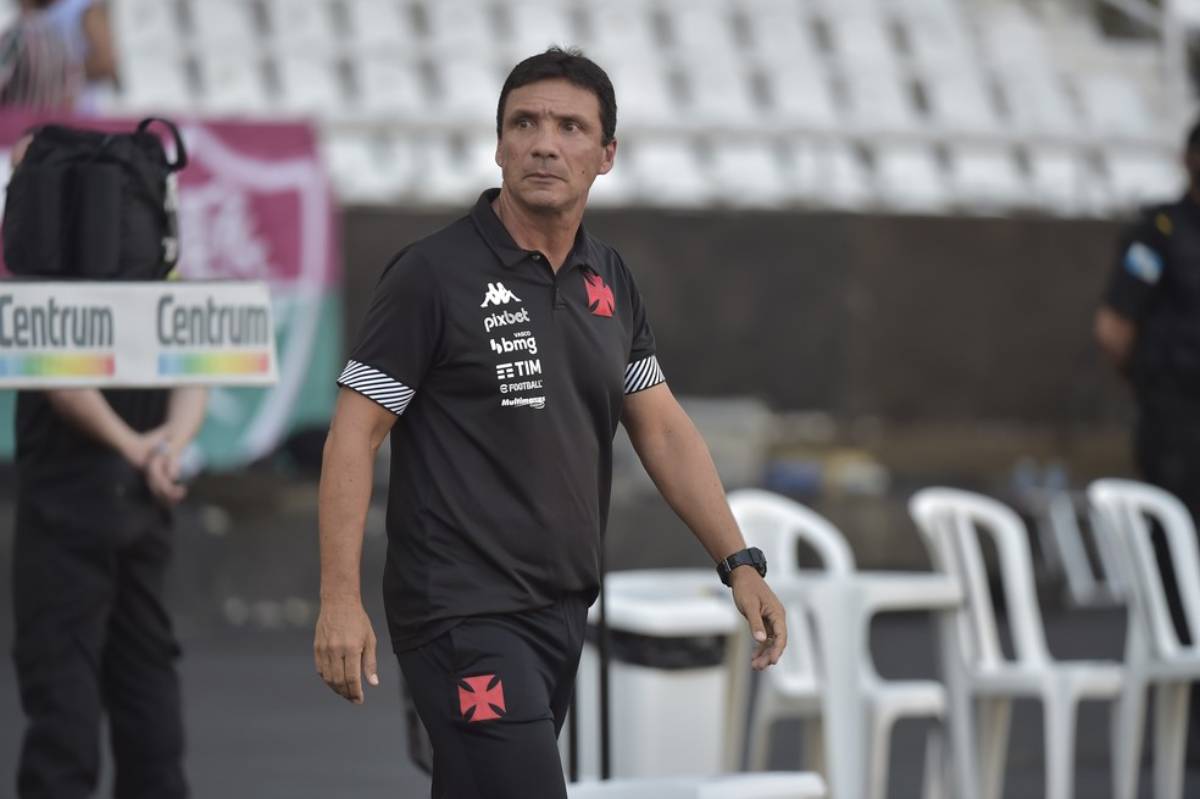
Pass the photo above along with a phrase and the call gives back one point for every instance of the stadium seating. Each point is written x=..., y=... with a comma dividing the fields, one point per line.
x=921, y=106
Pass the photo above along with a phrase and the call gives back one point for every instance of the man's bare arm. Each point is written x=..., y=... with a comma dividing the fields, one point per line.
x=344, y=645
x=185, y=416
x=88, y=411
x=679, y=463
x=1116, y=336
x=101, y=61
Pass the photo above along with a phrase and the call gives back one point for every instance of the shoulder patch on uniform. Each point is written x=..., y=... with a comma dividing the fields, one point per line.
x=1143, y=263
x=1164, y=224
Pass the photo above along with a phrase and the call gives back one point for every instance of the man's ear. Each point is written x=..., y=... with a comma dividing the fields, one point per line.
x=610, y=157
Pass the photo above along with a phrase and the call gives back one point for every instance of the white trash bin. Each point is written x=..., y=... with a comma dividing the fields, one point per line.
x=669, y=634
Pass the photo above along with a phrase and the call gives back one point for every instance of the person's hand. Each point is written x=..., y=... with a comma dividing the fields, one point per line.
x=139, y=447
x=763, y=611
x=344, y=648
x=162, y=475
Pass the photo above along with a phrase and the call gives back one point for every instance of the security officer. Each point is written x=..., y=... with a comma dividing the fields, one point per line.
x=499, y=354
x=1149, y=326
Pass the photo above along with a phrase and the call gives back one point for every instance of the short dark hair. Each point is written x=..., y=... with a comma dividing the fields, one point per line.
x=1193, y=139
x=570, y=65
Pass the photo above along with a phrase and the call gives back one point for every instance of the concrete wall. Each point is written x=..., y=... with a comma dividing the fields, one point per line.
x=905, y=318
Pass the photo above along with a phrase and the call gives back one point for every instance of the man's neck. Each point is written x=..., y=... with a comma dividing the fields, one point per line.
x=552, y=233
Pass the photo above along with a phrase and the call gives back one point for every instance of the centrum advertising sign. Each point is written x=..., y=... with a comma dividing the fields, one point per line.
x=254, y=205
x=135, y=334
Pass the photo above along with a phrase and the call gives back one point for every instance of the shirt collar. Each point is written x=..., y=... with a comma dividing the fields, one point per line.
x=500, y=241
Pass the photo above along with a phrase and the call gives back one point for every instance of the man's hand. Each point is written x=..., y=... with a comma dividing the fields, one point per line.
x=162, y=475
x=344, y=648
x=138, y=448
x=768, y=623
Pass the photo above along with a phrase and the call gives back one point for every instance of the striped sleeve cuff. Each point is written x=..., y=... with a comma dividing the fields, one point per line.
x=641, y=375
x=374, y=384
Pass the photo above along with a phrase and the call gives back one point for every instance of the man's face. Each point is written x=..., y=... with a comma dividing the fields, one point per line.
x=550, y=148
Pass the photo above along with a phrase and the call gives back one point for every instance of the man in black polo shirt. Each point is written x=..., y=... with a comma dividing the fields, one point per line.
x=1149, y=326
x=500, y=353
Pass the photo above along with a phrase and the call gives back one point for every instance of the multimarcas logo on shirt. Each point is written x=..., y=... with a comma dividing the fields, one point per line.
x=599, y=296
x=497, y=294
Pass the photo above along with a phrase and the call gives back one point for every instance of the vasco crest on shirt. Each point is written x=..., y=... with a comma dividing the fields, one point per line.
x=600, y=299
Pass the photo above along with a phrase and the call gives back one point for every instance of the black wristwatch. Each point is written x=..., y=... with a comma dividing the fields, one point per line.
x=746, y=557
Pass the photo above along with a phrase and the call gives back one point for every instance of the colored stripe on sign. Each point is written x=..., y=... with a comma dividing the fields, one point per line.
x=57, y=365
x=223, y=363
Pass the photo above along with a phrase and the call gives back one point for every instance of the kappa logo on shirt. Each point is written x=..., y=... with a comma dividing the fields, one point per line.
x=497, y=294
x=599, y=296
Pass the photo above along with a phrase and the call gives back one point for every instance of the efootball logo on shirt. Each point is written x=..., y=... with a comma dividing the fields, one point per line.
x=498, y=295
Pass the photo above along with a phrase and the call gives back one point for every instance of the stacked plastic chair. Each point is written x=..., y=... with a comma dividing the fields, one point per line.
x=792, y=688
x=952, y=523
x=1154, y=655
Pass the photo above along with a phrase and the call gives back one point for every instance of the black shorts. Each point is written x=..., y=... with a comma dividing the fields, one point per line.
x=493, y=693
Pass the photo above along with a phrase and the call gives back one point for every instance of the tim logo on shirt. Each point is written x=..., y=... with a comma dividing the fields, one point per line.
x=498, y=295
x=599, y=296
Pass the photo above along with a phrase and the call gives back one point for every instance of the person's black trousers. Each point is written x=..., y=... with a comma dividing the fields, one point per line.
x=93, y=638
x=1167, y=449
x=493, y=693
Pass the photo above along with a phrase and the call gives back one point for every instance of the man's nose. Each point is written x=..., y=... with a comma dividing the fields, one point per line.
x=545, y=145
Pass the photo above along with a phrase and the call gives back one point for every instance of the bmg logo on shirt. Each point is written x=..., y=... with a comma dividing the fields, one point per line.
x=502, y=345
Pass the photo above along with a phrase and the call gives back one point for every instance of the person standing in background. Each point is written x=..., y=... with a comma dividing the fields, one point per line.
x=58, y=55
x=1149, y=327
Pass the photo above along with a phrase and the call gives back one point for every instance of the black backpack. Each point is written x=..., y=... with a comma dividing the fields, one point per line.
x=94, y=205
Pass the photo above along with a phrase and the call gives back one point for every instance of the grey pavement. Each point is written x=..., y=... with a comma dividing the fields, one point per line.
x=261, y=725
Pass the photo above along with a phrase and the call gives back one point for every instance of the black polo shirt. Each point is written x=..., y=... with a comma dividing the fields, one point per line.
x=509, y=381
x=1156, y=283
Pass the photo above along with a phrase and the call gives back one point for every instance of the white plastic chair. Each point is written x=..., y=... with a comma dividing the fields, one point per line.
x=734, y=786
x=1154, y=655
x=792, y=688
x=1057, y=514
x=952, y=523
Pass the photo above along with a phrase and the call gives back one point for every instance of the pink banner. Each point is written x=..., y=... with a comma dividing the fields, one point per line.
x=254, y=200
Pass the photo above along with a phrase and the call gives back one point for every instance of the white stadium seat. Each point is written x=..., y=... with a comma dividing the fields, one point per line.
x=310, y=85
x=960, y=103
x=910, y=179
x=670, y=173
x=751, y=175
x=228, y=23
x=536, y=24
x=913, y=105
x=459, y=27
x=154, y=81
x=987, y=178
x=233, y=83
x=389, y=86
x=380, y=24
x=138, y=24
x=1138, y=176
x=369, y=168
x=301, y=25
x=830, y=175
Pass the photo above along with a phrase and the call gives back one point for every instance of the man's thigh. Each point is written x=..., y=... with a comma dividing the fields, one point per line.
x=483, y=691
